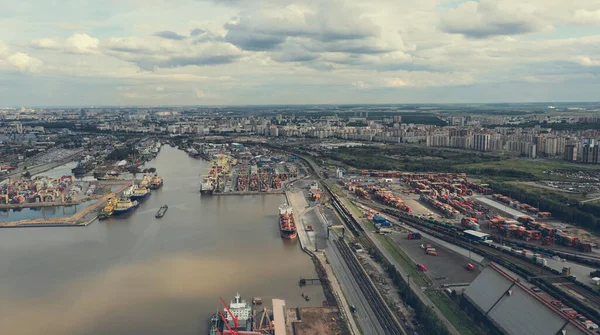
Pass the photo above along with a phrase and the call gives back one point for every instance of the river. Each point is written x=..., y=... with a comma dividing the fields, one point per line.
x=142, y=275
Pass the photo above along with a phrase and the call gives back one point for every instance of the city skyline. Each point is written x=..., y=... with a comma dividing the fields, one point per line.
x=231, y=53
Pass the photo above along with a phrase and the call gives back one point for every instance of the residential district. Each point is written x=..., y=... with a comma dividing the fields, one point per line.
x=441, y=219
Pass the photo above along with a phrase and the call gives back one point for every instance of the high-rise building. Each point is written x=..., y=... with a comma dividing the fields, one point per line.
x=481, y=142
x=570, y=152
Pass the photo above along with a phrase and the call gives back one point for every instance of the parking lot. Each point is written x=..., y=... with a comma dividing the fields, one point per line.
x=447, y=263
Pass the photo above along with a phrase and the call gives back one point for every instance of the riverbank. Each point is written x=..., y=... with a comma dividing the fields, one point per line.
x=81, y=218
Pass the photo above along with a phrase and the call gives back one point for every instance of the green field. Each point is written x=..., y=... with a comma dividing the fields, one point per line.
x=535, y=167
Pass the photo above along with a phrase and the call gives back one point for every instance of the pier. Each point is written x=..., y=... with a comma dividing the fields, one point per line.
x=81, y=218
x=249, y=193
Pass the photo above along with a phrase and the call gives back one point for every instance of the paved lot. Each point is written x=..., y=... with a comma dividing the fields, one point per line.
x=446, y=263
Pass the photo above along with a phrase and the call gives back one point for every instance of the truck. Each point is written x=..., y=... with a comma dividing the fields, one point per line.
x=414, y=236
x=384, y=231
x=595, y=273
x=431, y=252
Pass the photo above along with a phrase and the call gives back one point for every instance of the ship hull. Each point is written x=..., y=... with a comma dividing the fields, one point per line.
x=104, y=216
x=124, y=211
x=155, y=186
x=289, y=236
x=140, y=197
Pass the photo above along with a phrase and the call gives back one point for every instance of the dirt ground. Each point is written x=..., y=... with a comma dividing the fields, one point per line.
x=318, y=321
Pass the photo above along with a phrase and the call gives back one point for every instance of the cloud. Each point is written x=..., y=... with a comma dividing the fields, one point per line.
x=267, y=28
x=396, y=82
x=491, y=18
x=24, y=62
x=45, y=43
x=197, y=32
x=359, y=84
x=76, y=44
x=199, y=93
x=587, y=17
x=587, y=61
x=82, y=44
x=170, y=35
x=154, y=52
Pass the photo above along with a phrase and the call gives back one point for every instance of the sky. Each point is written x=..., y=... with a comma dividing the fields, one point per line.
x=238, y=52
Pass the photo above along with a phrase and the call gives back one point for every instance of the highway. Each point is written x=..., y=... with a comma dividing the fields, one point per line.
x=364, y=315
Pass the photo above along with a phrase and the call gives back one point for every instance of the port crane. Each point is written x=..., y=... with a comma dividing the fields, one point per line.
x=236, y=324
x=220, y=168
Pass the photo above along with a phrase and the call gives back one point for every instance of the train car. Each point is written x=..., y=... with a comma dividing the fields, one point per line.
x=477, y=236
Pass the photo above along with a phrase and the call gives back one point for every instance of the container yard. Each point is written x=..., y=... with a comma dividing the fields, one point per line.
x=44, y=191
x=237, y=170
x=454, y=200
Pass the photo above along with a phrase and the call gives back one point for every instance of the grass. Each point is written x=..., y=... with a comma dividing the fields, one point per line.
x=463, y=324
x=536, y=189
x=535, y=167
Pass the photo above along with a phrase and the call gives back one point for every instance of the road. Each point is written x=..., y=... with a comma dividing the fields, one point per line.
x=354, y=295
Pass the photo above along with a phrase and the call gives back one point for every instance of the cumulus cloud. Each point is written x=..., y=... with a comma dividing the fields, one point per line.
x=24, y=62
x=491, y=18
x=45, y=43
x=266, y=29
x=587, y=61
x=82, y=43
x=170, y=35
x=76, y=43
x=151, y=52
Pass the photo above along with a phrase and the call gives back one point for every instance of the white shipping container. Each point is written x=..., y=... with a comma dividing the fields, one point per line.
x=529, y=256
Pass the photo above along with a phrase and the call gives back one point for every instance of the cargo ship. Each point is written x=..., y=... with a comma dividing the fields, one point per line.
x=82, y=168
x=287, y=226
x=108, y=209
x=125, y=205
x=161, y=211
x=240, y=309
x=156, y=183
x=216, y=325
x=146, y=181
x=207, y=187
x=140, y=193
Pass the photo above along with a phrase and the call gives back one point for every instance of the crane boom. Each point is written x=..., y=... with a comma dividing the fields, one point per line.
x=233, y=332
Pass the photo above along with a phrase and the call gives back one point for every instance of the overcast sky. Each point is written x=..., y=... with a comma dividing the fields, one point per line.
x=207, y=52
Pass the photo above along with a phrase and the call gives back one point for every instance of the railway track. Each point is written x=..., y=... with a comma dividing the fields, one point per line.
x=585, y=299
x=385, y=317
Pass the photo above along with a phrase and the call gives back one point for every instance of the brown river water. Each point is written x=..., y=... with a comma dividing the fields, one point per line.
x=142, y=275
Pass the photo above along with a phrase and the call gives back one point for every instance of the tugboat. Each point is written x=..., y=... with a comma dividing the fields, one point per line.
x=125, y=205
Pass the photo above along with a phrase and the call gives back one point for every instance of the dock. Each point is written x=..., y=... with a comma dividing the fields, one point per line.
x=81, y=218
x=249, y=193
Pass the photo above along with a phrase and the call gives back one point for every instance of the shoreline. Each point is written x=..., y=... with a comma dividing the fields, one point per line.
x=72, y=221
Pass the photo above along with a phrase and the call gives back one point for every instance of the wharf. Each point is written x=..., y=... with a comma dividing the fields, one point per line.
x=81, y=218
x=298, y=203
x=46, y=204
x=249, y=193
